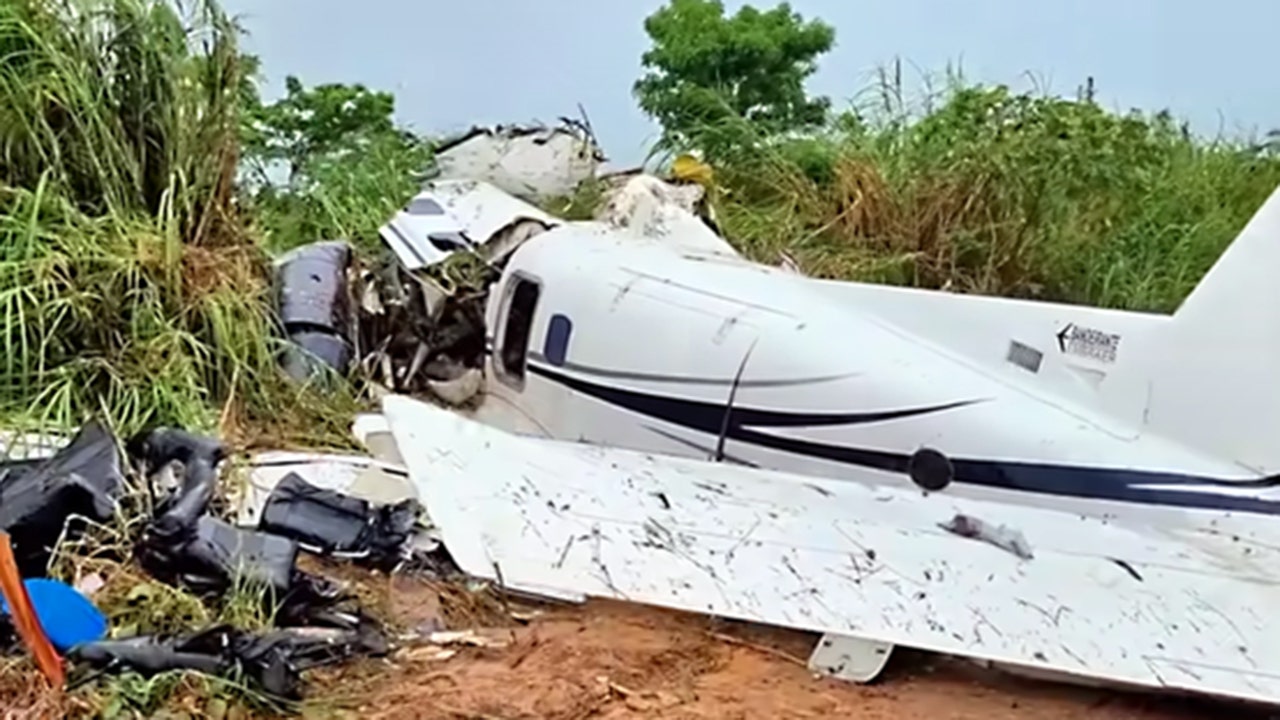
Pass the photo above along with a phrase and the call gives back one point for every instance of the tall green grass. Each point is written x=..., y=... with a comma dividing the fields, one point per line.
x=127, y=106
x=129, y=287
x=990, y=191
x=346, y=196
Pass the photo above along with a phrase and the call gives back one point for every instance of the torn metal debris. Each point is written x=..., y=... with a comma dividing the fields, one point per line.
x=370, y=479
x=184, y=542
x=658, y=210
x=419, y=336
x=527, y=161
x=315, y=308
x=452, y=215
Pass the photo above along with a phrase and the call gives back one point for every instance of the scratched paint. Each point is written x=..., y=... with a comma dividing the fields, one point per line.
x=1159, y=606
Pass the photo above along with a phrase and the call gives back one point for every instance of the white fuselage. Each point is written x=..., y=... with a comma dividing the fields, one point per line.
x=640, y=345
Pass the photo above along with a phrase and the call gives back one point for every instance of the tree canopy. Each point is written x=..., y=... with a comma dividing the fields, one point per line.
x=705, y=68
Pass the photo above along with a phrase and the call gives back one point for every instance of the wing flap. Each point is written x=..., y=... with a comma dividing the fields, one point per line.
x=1174, y=606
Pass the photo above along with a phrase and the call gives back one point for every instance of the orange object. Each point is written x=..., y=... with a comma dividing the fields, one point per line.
x=24, y=616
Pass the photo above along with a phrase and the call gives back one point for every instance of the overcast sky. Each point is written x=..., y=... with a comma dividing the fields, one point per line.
x=458, y=62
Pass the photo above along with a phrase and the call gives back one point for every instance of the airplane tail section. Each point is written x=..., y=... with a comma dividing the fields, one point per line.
x=1215, y=369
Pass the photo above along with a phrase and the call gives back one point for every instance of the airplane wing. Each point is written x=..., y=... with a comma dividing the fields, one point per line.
x=1176, y=607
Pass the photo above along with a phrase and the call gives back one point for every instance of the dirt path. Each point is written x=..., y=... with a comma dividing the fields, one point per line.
x=617, y=661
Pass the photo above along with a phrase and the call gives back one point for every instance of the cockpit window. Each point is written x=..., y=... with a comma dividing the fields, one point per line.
x=515, y=337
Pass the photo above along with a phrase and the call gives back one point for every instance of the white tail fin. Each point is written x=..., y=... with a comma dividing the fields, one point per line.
x=1215, y=370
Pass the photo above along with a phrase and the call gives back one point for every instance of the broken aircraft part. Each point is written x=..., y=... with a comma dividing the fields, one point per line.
x=849, y=658
x=421, y=335
x=658, y=210
x=452, y=215
x=357, y=476
x=372, y=430
x=530, y=162
x=184, y=544
x=330, y=523
x=460, y=390
x=859, y=560
x=273, y=661
x=412, y=331
x=315, y=307
x=377, y=481
x=38, y=497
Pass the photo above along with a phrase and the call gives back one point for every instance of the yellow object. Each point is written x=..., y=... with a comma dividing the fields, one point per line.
x=688, y=168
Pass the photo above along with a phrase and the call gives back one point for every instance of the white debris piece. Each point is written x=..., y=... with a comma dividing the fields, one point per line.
x=459, y=390
x=17, y=446
x=477, y=216
x=372, y=430
x=354, y=475
x=531, y=162
x=658, y=210
x=452, y=215
x=1175, y=606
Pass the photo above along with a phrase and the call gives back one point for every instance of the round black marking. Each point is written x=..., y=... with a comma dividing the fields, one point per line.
x=930, y=469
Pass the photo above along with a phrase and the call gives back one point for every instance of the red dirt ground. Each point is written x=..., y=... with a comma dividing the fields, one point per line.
x=616, y=661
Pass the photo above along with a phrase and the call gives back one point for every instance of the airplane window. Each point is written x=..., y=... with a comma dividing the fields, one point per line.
x=556, y=346
x=515, y=338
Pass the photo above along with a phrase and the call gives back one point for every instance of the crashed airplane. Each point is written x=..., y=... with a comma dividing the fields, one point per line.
x=1062, y=489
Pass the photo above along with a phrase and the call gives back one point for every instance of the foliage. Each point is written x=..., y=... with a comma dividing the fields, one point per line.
x=119, y=107
x=706, y=71
x=349, y=165
x=996, y=192
x=128, y=286
x=308, y=124
x=347, y=195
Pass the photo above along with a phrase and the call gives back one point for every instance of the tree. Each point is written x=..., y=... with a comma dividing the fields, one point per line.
x=705, y=68
x=312, y=124
x=350, y=166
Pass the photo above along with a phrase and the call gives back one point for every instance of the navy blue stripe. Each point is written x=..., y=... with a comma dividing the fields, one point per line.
x=708, y=416
x=1097, y=483
x=687, y=379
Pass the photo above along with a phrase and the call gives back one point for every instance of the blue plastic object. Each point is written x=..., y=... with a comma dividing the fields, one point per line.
x=68, y=618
